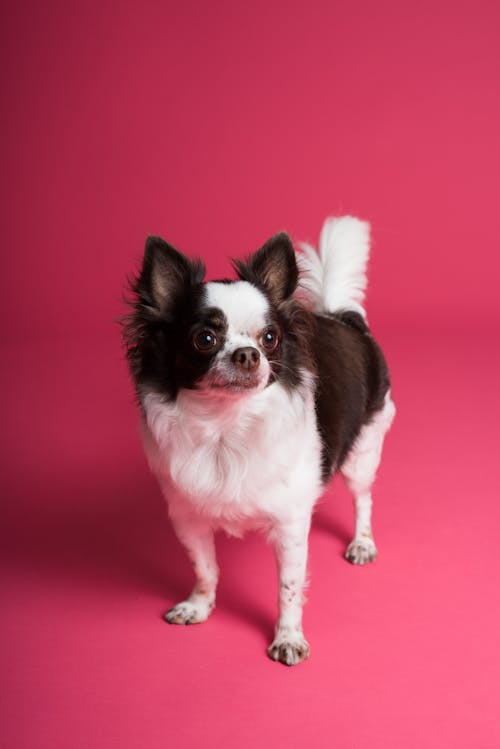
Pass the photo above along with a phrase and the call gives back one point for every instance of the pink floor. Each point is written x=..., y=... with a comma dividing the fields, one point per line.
x=405, y=653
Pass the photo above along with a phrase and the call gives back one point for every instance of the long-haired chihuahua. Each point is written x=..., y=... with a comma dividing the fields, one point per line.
x=253, y=393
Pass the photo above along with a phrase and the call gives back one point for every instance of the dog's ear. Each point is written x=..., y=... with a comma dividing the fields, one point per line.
x=166, y=275
x=273, y=268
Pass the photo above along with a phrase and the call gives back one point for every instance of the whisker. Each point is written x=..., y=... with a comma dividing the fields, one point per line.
x=280, y=364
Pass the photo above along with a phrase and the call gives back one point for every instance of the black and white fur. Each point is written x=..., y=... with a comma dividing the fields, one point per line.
x=253, y=393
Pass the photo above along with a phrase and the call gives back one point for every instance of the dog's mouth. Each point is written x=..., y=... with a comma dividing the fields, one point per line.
x=240, y=384
x=233, y=382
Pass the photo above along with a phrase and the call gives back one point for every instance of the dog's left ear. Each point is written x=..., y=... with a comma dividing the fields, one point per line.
x=273, y=268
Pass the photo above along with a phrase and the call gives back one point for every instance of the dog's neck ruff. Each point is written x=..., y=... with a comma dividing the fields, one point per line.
x=223, y=454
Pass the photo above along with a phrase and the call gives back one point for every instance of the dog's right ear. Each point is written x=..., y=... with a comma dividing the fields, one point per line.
x=165, y=276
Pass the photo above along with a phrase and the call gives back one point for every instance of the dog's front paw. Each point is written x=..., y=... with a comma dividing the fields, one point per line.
x=188, y=612
x=361, y=551
x=289, y=649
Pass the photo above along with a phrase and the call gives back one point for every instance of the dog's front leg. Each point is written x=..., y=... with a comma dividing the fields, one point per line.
x=198, y=539
x=289, y=645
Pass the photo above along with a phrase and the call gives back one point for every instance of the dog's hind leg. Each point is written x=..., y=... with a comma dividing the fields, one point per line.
x=359, y=471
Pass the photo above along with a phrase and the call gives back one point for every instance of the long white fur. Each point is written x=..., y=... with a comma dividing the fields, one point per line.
x=335, y=279
x=232, y=458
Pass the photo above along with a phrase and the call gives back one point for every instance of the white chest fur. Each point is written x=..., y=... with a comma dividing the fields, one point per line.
x=234, y=459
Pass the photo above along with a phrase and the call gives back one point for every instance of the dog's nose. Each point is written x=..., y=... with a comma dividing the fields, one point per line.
x=246, y=358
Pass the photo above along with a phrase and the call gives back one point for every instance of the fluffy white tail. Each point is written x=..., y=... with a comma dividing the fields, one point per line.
x=336, y=278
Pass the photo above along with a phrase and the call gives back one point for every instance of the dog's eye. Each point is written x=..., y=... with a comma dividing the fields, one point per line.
x=205, y=340
x=269, y=339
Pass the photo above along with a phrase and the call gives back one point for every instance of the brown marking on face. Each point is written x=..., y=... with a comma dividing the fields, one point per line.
x=216, y=322
x=367, y=535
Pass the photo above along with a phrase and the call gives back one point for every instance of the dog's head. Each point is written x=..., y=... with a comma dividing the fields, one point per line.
x=232, y=338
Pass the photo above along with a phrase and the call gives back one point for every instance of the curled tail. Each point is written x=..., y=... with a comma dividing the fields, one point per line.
x=335, y=279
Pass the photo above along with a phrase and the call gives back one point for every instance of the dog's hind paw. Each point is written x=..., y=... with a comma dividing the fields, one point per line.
x=187, y=612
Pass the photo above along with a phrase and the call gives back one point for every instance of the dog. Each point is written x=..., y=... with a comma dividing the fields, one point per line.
x=254, y=392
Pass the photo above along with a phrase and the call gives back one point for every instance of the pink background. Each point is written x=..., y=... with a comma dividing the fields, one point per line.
x=215, y=125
